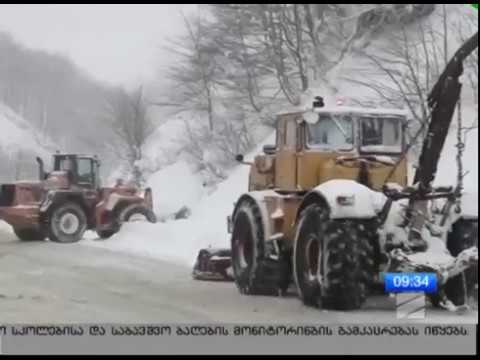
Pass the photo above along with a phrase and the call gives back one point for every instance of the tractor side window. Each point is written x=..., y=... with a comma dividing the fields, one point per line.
x=381, y=135
x=85, y=172
x=280, y=134
x=332, y=132
x=291, y=135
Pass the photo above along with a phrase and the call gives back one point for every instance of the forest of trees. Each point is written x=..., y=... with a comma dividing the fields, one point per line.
x=239, y=64
x=68, y=108
x=234, y=68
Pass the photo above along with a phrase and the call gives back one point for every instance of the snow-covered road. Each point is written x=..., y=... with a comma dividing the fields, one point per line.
x=43, y=282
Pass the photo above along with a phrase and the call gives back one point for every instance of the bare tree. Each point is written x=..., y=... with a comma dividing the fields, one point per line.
x=192, y=76
x=401, y=73
x=128, y=118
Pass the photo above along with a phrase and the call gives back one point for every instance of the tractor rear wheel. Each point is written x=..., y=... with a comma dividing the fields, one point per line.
x=254, y=273
x=29, y=234
x=464, y=235
x=333, y=260
x=67, y=223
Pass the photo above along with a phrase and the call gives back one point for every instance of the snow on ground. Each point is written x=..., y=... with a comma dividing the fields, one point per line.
x=5, y=228
x=179, y=241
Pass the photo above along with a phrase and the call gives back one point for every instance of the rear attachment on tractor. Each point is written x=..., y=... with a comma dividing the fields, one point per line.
x=213, y=264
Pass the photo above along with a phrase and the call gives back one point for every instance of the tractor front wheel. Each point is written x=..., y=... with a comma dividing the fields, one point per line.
x=138, y=213
x=463, y=287
x=67, y=223
x=254, y=273
x=333, y=261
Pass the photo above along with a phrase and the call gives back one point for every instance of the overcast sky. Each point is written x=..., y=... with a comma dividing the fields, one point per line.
x=119, y=44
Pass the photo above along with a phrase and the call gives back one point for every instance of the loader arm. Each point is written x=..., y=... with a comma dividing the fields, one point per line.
x=442, y=101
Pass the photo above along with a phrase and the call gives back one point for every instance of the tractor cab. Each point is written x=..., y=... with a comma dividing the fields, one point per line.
x=73, y=169
x=313, y=147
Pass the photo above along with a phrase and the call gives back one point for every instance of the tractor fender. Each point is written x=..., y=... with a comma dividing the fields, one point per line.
x=116, y=202
x=58, y=197
x=345, y=199
x=263, y=199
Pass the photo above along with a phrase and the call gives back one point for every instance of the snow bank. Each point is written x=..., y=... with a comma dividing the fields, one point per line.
x=179, y=241
x=174, y=187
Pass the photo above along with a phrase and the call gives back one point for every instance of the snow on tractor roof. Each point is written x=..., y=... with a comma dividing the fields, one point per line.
x=350, y=110
x=76, y=155
x=360, y=110
x=312, y=115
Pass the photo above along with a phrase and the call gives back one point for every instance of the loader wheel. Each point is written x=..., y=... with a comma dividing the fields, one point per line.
x=29, y=234
x=464, y=234
x=254, y=273
x=333, y=261
x=67, y=224
x=138, y=214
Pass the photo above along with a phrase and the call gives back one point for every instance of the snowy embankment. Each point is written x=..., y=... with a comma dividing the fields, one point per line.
x=180, y=240
x=16, y=134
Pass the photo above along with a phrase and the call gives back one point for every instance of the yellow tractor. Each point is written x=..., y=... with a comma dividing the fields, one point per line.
x=329, y=206
x=319, y=203
x=309, y=206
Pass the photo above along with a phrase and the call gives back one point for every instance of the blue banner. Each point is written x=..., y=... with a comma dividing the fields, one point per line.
x=410, y=282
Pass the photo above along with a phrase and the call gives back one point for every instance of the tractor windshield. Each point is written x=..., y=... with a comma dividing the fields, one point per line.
x=332, y=132
x=66, y=164
x=381, y=135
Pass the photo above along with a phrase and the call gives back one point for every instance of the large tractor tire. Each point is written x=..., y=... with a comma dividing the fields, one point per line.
x=29, y=234
x=333, y=260
x=133, y=213
x=67, y=223
x=254, y=272
x=464, y=235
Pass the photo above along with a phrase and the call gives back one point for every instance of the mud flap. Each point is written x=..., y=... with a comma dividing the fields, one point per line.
x=213, y=265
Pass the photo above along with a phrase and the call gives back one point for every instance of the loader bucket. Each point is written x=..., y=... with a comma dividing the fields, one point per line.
x=213, y=265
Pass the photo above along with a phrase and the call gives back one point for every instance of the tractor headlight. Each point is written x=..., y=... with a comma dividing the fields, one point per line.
x=345, y=200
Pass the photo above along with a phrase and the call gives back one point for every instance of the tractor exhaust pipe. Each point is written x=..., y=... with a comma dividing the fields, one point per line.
x=41, y=169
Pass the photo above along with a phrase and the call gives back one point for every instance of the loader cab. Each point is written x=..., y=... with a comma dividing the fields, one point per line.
x=323, y=144
x=82, y=170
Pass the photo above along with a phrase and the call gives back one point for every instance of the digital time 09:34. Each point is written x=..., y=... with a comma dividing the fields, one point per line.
x=410, y=282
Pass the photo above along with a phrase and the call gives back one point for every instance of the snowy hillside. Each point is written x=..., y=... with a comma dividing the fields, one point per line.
x=19, y=144
x=16, y=133
x=181, y=185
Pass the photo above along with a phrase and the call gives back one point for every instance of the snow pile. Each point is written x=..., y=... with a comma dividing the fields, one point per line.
x=174, y=187
x=179, y=241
